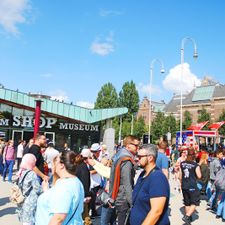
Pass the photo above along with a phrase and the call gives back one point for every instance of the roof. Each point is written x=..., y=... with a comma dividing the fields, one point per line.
x=158, y=106
x=204, y=94
x=60, y=108
x=171, y=107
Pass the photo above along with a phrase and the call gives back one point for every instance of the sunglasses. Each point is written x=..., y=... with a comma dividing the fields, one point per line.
x=141, y=156
x=136, y=145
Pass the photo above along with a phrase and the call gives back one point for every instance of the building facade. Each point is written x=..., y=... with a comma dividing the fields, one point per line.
x=60, y=122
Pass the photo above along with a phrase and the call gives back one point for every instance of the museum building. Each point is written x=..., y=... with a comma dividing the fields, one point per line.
x=60, y=122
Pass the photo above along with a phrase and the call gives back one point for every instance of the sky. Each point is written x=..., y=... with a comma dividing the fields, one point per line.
x=69, y=49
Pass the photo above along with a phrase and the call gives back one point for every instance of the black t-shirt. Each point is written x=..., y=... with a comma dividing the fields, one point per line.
x=189, y=177
x=83, y=174
x=36, y=151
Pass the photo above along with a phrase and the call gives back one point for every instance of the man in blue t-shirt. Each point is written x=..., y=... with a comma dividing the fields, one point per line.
x=162, y=161
x=151, y=193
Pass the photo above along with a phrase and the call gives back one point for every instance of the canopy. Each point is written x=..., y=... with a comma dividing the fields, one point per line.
x=197, y=126
x=216, y=126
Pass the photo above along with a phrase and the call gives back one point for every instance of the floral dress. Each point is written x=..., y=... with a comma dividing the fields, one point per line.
x=31, y=189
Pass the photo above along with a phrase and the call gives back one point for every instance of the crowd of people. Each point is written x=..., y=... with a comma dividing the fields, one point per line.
x=131, y=186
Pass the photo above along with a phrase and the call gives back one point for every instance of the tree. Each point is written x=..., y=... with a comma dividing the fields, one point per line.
x=107, y=97
x=170, y=125
x=204, y=116
x=128, y=97
x=187, y=120
x=157, y=128
x=139, y=127
x=222, y=118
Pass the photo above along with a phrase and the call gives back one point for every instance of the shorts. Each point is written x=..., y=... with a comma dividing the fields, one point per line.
x=191, y=197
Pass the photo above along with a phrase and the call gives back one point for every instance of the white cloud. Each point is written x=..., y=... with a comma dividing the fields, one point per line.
x=46, y=75
x=104, y=47
x=105, y=13
x=12, y=13
x=59, y=95
x=173, y=82
x=84, y=104
x=145, y=89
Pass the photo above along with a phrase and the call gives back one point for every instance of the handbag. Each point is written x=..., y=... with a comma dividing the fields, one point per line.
x=16, y=193
x=102, y=196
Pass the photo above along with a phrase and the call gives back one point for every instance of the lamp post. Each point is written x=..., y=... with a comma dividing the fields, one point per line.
x=162, y=70
x=195, y=55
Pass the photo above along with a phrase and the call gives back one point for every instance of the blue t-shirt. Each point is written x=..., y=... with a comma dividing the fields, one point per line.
x=64, y=197
x=155, y=185
x=162, y=161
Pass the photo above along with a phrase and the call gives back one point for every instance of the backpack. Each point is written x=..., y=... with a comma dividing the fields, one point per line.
x=220, y=180
x=16, y=192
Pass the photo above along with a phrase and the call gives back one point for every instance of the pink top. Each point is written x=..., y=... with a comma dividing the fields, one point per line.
x=9, y=153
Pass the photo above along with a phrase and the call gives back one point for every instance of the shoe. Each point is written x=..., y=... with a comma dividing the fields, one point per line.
x=187, y=220
x=223, y=220
x=218, y=216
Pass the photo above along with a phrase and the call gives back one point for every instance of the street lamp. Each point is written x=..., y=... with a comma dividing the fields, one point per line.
x=195, y=55
x=162, y=70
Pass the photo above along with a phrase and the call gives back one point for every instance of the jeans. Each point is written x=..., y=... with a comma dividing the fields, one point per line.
x=108, y=216
x=8, y=166
x=221, y=206
x=215, y=200
x=1, y=165
x=122, y=208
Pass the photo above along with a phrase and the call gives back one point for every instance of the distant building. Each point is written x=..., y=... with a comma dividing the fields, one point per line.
x=143, y=110
x=210, y=96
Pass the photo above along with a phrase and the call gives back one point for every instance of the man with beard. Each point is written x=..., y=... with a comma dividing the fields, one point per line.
x=150, y=196
x=35, y=149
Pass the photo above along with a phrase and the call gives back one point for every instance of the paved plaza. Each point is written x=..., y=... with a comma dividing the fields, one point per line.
x=202, y=216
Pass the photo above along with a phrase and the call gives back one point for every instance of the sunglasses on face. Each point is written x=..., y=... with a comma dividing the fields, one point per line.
x=136, y=145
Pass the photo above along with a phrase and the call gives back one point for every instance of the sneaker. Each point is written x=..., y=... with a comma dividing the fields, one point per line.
x=223, y=220
x=187, y=220
x=218, y=216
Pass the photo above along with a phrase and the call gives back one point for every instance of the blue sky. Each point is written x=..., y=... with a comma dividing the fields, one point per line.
x=70, y=48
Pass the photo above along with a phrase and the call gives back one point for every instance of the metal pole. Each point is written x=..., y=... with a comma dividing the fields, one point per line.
x=181, y=95
x=132, y=124
x=120, y=130
x=150, y=106
x=150, y=95
x=195, y=55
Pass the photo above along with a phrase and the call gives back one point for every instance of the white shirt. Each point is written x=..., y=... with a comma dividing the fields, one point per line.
x=20, y=149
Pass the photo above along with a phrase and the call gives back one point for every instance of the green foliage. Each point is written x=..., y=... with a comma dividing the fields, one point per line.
x=187, y=120
x=157, y=128
x=170, y=125
x=128, y=97
x=222, y=118
x=139, y=128
x=107, y=97
x=204, y=116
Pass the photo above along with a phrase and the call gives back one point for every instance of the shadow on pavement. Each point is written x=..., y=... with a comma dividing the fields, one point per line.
x=4, y=201
x=7, y=211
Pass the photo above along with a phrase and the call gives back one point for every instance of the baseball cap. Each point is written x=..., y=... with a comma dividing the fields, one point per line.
x=95, y=147
x=86, y=153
